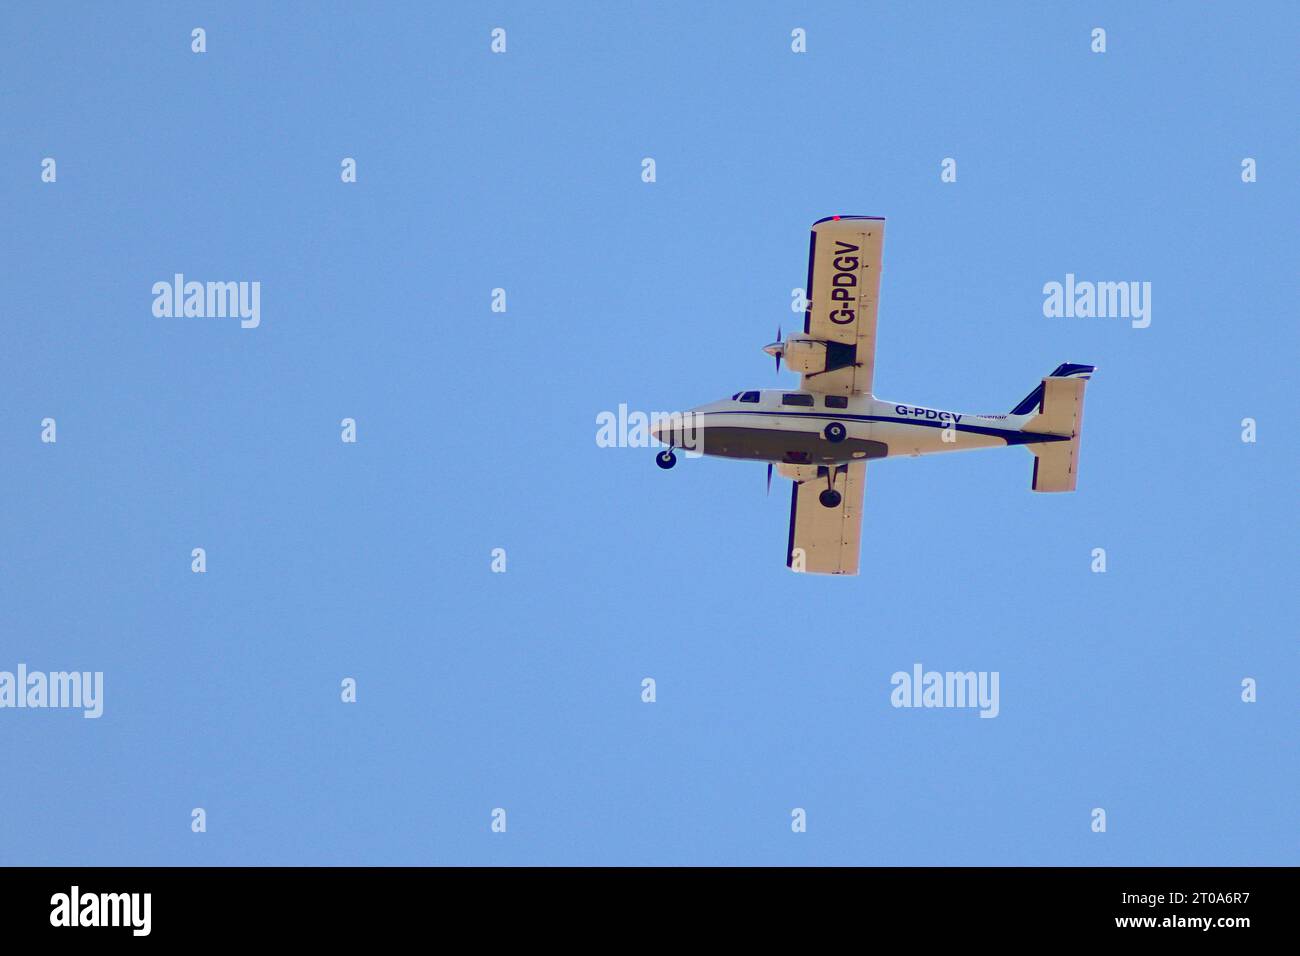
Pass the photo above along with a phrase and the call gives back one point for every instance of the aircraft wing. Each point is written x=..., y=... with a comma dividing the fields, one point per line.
x=843, y=290
x=827, y=540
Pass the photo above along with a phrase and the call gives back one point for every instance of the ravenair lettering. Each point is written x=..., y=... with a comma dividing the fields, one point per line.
x=929, y=414
x=844, y=283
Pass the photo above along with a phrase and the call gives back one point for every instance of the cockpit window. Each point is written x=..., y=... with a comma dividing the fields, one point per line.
x=795, y=398
x=749, y=397
x=837, y=401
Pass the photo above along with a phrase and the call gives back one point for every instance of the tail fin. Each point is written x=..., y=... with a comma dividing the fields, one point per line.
x=1057, y=409
x=1031, y=402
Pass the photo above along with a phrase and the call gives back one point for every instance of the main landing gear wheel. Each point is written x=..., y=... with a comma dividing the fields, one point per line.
x=835, y=432
x=830, y=498
x=665, y=459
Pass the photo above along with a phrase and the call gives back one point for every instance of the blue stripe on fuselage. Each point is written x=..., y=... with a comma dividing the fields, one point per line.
x=1010, y=436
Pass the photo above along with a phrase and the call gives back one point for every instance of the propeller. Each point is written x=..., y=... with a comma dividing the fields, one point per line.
x=769, y=476
x=776, y=349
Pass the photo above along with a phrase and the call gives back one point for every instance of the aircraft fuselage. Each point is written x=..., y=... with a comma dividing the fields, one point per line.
x=793, y=428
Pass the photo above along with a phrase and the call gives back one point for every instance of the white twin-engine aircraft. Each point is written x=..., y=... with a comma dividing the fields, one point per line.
x=823, y=435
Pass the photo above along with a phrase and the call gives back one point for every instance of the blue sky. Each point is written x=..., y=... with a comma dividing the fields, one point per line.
x=476, y=430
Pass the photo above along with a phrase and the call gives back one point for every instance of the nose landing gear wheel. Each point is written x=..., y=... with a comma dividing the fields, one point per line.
x=835, y=432
x=665, y=459
x=829, y=498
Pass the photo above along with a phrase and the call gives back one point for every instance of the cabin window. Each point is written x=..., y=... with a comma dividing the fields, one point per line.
x=837, y=401
x=794, y=398
x=749, y=397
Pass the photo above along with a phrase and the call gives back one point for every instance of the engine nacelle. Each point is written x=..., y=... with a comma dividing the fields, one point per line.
x=805, y=355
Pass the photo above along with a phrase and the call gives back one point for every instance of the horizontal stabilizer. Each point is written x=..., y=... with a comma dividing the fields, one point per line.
x=1060, y=415
x=1056, y=465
